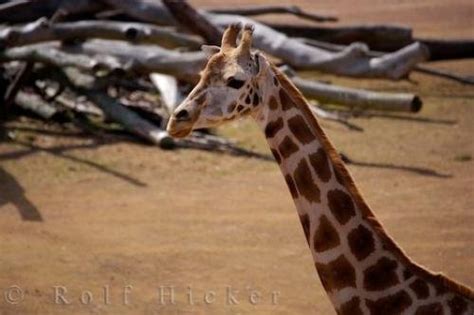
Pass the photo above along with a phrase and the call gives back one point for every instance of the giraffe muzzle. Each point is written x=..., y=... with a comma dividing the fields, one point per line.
x=181, y=122
x=179, y=128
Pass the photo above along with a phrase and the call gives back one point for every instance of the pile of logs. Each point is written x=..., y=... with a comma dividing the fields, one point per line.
x=98, y=62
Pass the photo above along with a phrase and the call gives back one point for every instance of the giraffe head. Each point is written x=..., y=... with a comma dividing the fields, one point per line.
x=228, y=88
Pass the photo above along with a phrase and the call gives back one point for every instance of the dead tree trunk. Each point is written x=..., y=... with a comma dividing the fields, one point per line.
x=386, y=38
x=377, y=37
x=41, y=31
x=355, y=98
x=34, y=103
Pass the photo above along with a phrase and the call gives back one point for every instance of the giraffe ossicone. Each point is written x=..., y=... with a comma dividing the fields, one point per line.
x=361, y=268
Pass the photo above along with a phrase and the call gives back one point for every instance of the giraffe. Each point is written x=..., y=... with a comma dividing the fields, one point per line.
x=361, y=268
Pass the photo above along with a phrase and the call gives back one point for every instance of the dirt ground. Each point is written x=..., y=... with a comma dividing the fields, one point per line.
x=122, y=220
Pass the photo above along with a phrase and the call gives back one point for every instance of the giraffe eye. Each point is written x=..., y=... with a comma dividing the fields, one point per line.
x=234, y=83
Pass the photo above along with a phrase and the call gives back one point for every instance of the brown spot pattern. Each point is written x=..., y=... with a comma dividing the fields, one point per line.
x=273, y=103
x=255, y=99
x=457, y=305
x=291, y=186
x=276, y=155
x=393, y=304
x=300, y=129
x=275, y=81
x=325, y=236
x=305, y=183
x=287, y=147
x=440, y=289
x=351, y=307
x=247, y=99
x=407, y=274
x=320, y=164
x=420, y=288
x=201, y=99
x=341, y=205
x=273, y=127
x=285, y=100
x=338, y=175
x=361, y=241
x=231, y=107
x=381, y=275
x=337, y=274
x=306, y=224
x=430, y=309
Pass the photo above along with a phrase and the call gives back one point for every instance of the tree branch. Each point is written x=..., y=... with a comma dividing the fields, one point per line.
x=272, y=9
x=192, y=20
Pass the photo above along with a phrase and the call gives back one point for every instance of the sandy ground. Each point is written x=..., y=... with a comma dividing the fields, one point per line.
x=121, y=220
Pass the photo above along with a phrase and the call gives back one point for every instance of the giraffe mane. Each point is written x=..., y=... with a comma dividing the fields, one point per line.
x=342, y=173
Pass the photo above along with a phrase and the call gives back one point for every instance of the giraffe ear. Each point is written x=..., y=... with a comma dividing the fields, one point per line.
x=210, y=50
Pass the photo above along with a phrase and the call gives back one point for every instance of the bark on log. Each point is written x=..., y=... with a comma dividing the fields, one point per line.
x=351, y=62
x=41, y=30
x=273, y=9
x=355, y=98
x=188, y=17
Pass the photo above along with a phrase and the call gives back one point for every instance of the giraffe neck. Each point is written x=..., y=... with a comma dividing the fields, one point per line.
x=361, y=268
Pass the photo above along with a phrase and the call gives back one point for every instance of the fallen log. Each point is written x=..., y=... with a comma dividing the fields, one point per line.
x=51, y=54
x=146, y=59
x=418, y=68
x=115, y=111
x=386, y=38
x=41, y=31
x=34, y=103
x=448, y=49
x=355, y=98
x=103, y=56
x=377, y=37
x=273, y=9
x=352, y=62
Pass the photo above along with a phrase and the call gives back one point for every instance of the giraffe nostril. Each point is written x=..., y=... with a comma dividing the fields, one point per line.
x=182, y=115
